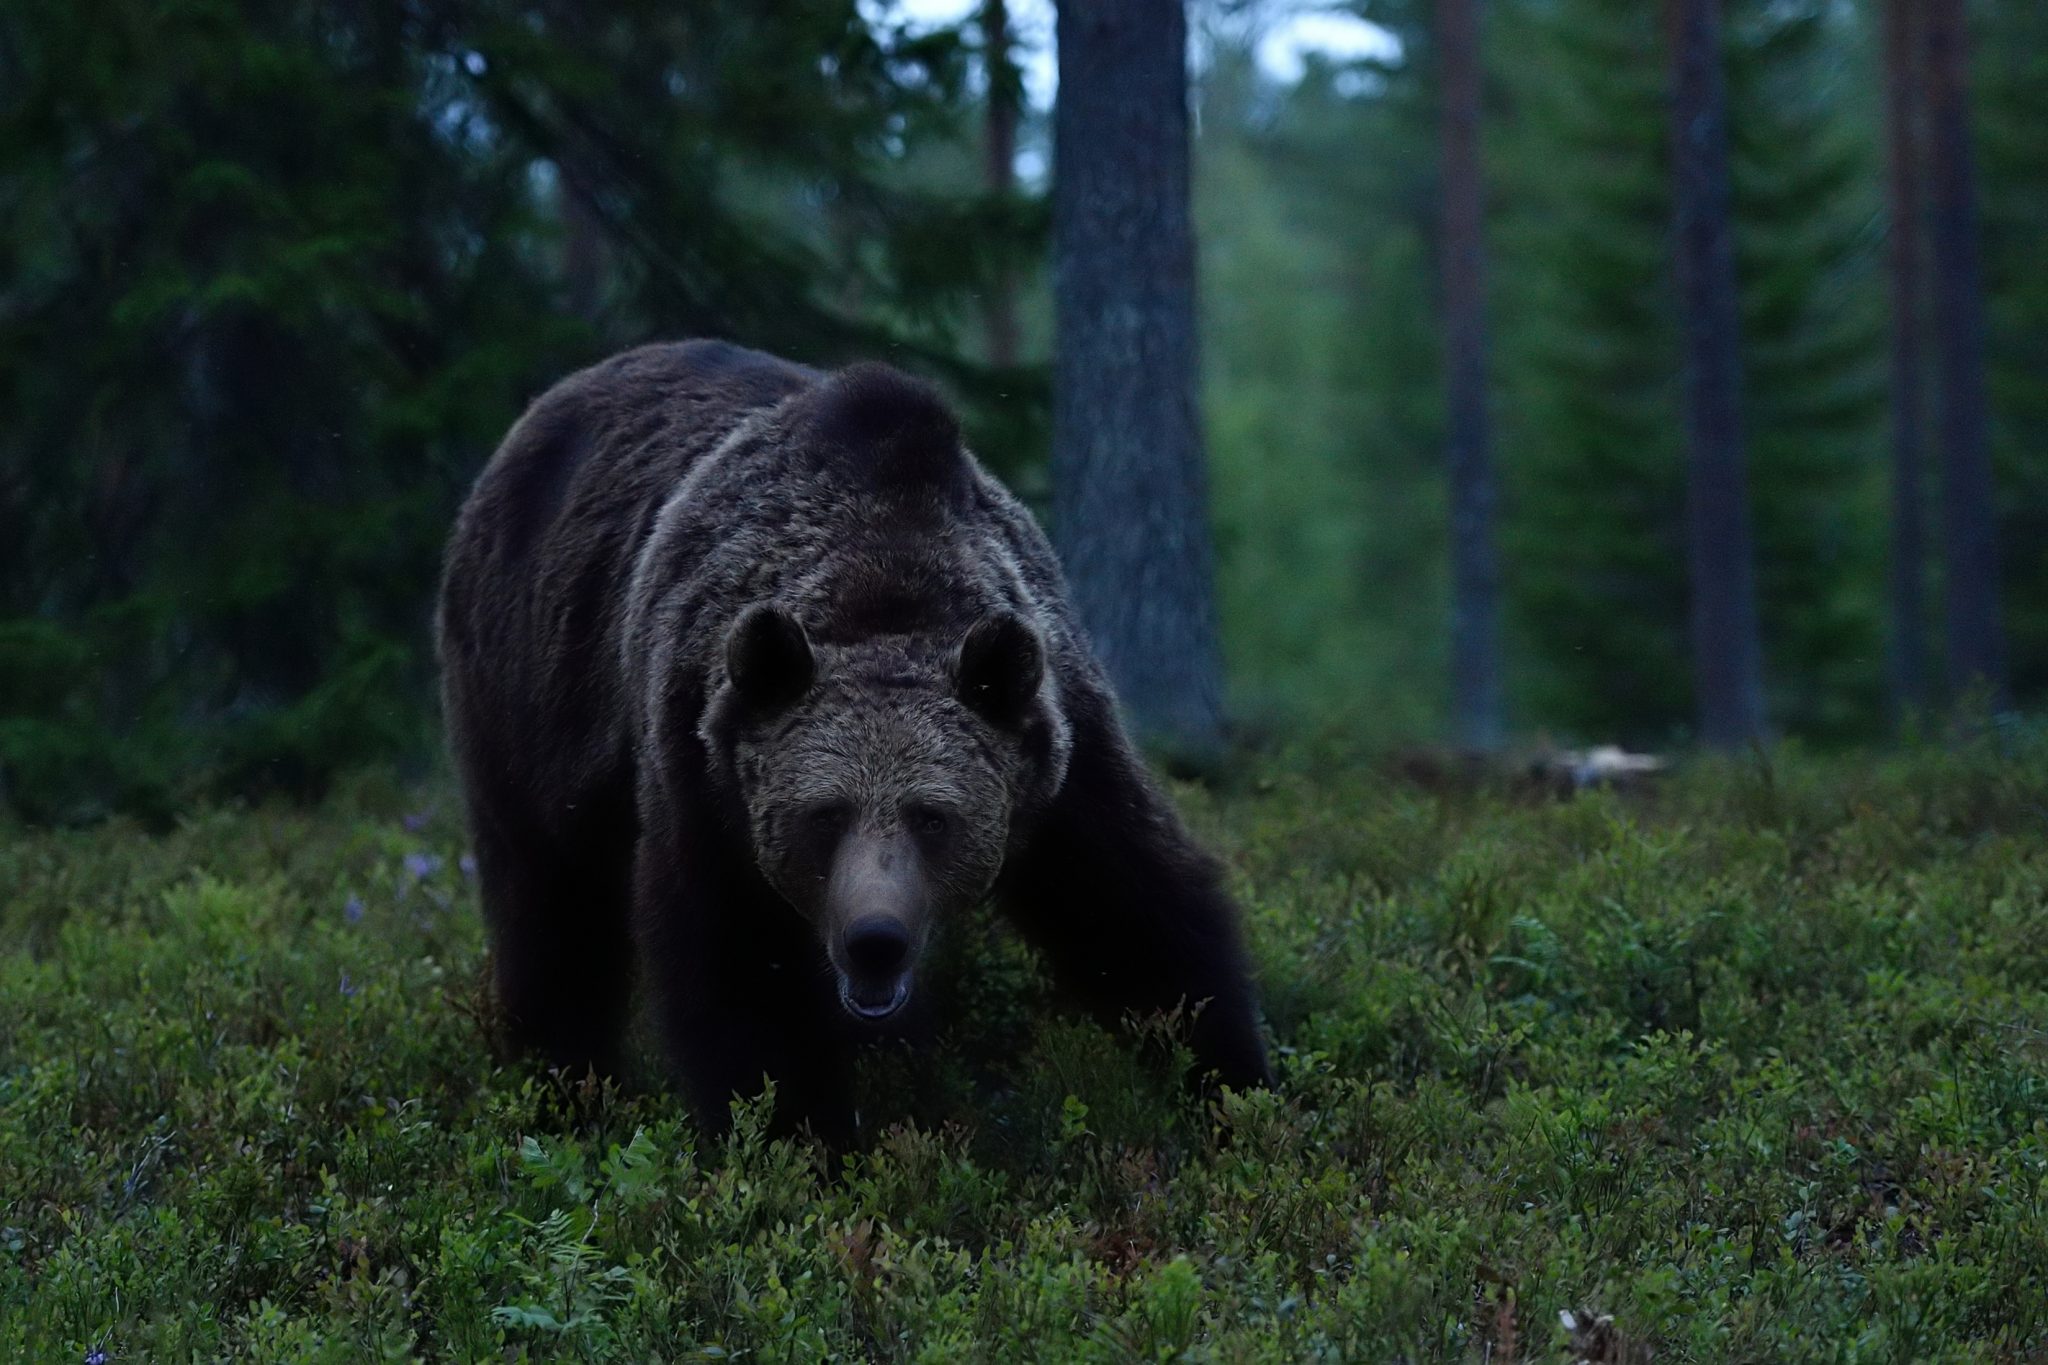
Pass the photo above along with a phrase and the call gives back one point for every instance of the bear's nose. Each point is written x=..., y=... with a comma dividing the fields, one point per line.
x=877, y=946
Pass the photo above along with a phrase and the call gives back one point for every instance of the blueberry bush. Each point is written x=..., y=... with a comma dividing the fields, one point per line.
x=1750, y=1066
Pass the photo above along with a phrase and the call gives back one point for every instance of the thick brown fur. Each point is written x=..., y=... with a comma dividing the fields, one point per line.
x=701, y=595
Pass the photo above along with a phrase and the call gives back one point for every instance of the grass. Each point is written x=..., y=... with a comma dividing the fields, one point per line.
x=1754, y=1067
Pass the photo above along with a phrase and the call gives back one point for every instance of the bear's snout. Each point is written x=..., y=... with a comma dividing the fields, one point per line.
x=875, y=914
x=876, y=982
x=877, y=946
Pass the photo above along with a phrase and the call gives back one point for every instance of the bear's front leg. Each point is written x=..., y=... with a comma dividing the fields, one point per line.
x=1130, y=912
x=740, y=992
x=730, y=1047
x=561, y=952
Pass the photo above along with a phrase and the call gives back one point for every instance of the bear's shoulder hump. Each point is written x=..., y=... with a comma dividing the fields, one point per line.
x=884, y=429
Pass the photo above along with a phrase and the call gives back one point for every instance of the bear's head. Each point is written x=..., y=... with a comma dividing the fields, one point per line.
x=882, y=781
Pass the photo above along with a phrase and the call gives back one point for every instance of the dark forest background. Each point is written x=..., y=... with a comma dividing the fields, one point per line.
x=275, y=278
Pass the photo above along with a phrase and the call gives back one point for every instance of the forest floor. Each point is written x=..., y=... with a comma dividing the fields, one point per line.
x=1752, y=1065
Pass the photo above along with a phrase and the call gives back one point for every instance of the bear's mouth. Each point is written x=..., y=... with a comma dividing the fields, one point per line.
x=873, y=1001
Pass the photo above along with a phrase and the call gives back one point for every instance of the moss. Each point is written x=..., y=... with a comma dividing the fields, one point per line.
x=1754, y=1066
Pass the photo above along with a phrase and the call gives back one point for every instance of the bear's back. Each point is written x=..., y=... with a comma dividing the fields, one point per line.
x=621, y=432
x=538, y=566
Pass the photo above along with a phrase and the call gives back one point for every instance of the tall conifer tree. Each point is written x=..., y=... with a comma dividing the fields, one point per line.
x=1904, y=156
x=999, y=167
x=1973, y=633
x=2009, y=73
x=1130, y=497
x=1475, y=564
x=1727, y=649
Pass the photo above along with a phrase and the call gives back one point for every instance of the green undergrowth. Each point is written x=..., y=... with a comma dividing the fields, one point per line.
x=1750, y=1066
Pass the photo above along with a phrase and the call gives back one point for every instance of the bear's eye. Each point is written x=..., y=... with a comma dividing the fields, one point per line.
x=827, y=817
x=927, y=821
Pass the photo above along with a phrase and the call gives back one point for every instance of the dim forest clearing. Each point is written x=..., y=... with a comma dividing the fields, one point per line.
x=1750, y=1065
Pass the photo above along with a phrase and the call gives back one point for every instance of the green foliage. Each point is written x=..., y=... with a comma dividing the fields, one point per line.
x=1323, y=400
x=1752, y=1063
x=274, y=280
x=1806, y=177
x=1590, y=362
x=277, y=280
x=1325, y=394
x=1594, y=477
x=2010, y=61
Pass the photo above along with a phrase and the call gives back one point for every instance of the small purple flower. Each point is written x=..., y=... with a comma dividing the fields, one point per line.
x=96, y=1356
x=422, y=865
x=352, y=910
x=467, y=862
x=348, y=985
x=415, y=822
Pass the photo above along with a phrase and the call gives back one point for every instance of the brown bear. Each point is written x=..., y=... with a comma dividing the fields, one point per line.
x=753, y=676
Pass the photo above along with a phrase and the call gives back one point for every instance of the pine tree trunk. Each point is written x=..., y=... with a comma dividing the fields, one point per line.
x=999, y=150
x=1130, y=497
x=1726, y=652
x=1908, y=379
x=1475, y=568
x=1974, y=637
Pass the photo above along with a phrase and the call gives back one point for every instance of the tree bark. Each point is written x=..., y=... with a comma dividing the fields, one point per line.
x=1904, y=149
x=1130, y=497
x=1974, y=637
x=999, y=150
x=1475, y=566
x=1727, y=655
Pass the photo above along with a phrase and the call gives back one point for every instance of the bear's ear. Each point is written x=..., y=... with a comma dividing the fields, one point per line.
x=768, y=657
x=1001, y=665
